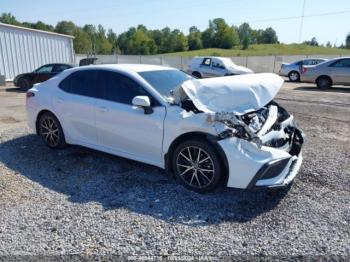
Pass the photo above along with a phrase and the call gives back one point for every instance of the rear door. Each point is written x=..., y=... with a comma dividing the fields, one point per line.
x=74, y=104
x=124, y=128
x=340, y=71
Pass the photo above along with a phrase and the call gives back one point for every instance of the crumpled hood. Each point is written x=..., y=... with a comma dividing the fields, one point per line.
x=237, y=94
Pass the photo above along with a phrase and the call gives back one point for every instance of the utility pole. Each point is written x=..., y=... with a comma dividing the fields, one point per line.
x=302, y=21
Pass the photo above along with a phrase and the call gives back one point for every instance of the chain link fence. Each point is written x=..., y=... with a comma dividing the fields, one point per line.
x=258, y=64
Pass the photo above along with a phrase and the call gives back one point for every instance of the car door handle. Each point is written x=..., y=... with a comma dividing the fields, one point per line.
x=102, y=109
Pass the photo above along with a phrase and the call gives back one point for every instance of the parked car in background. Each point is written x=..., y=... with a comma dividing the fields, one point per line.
x=88, y=61
x=43, y=73
x=293, y=70
x=204, y=131
x=332, y=72
x=202, y=67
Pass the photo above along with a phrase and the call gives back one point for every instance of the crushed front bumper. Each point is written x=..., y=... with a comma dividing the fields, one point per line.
x=251, y=167
x=284, y=177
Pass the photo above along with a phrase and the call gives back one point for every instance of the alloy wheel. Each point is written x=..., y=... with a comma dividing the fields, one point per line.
x=294, y=76
x=49, y=131
x=195, y=167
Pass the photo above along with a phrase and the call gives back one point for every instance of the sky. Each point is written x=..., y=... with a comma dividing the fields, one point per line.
x=327, y=20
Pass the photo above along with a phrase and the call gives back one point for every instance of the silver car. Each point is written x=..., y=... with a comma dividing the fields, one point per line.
x=209, y=66
x=293, y=70
x=332, y=72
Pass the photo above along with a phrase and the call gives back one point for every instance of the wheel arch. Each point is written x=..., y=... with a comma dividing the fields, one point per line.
x=190, y=135
x=41, y=112
x=293, y=70
x=194, y=73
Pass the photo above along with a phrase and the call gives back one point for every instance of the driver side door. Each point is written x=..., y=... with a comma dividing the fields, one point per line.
x=124, y=129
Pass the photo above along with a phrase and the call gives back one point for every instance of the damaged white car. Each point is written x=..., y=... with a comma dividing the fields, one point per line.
x=205, y=132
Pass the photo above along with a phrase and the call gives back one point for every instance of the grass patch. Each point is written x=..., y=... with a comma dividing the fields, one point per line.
x=266, y=50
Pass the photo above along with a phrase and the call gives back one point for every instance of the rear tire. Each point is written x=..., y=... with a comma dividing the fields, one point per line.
x=197, y=165
x=50, y=131
x=294, y=76
x=197, y=75
x=24, y=84
x=324, y=82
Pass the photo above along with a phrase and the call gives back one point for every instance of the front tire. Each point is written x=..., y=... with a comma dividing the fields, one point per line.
x=197, y=165
x=294, y=76
x=50, y=131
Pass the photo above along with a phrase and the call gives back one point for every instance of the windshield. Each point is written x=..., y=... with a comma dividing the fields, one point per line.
x=164, y=81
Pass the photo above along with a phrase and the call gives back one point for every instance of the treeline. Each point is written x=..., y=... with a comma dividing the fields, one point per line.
x=142, y=41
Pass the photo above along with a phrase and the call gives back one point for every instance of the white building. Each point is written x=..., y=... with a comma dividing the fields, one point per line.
x=23, y=49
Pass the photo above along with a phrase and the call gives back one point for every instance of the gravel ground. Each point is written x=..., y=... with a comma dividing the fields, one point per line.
x=79, y=201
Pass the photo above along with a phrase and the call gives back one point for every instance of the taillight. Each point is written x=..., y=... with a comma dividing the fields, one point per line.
x=29, y=94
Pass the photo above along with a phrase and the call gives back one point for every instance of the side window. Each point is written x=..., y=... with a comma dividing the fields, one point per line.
x=313, y=62
x=45, y=69
x=81, y=83
x=206, y=61
x=341, y=63
x=119, y=88
x=217, y=64
x=60, y=68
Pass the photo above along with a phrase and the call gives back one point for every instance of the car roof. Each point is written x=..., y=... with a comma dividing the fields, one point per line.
x=137, y=68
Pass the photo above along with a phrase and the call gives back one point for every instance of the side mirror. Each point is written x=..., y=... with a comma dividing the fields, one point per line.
x=144, y=102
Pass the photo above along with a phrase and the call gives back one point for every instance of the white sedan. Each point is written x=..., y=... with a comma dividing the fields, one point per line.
x=204, y=131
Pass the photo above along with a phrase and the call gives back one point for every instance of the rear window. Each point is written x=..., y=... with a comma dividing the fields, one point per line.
x=81, y=83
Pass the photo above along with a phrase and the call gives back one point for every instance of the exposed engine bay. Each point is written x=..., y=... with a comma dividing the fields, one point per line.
x=270, y=126
x=264, y=125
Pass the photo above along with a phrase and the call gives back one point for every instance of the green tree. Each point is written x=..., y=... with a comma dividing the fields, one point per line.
x=180, y=41
x=269, y=36
x=194, y=39
x=42, y=26
x=245, y=43
x=313, y=42
x=347, y=41
x=157, y=36
x=245, y=35
x=220, y=35
x=8, y=18
x=142, y=44
x=103, y=46
x=113, y=39
x=208, y=37
x=137, y=41
x=82, y=42
x=65, y=27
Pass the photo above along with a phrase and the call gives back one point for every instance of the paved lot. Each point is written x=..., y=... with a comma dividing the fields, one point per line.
x=79, y=201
